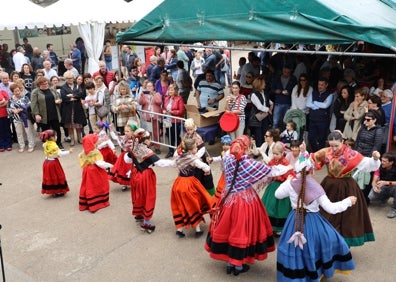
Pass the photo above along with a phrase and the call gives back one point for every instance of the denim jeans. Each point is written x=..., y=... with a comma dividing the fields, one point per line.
x=386, y=193
x=279, y=112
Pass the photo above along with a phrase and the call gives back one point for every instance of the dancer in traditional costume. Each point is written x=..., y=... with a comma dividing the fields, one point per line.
x=94, y=189
x=277, y=209
x=105, y=145
x=120, y=173
x=240, y=231
x=54, y=180
x=205, y=179
x=143, y=179
x=354, y=224
x=310, y=248
x=189, y=198
x=226, y=141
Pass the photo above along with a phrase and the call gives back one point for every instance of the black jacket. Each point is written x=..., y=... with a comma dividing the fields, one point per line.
x=369, y=140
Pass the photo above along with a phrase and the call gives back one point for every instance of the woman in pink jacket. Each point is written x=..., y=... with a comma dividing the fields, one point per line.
x=151, y=101
x=173, y=106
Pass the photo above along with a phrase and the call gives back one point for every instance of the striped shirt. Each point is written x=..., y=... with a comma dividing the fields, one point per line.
x=209, y=91
x=239, y=104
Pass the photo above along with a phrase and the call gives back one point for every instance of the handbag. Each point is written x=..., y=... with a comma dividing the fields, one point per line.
x=102, y=111
x=257, y=116
x=261, y=115
x=166, y=123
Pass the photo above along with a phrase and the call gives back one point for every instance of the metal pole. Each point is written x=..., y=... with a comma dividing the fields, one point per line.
x=1, y=257
x=309, y=52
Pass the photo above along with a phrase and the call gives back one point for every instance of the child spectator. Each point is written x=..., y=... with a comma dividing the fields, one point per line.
x=54, y=180
x=289, y=133
x=94, y=189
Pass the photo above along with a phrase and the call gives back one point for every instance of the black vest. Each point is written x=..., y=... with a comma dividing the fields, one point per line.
x=320, y=114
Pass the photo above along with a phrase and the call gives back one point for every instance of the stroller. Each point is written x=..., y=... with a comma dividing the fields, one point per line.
x=299, y=117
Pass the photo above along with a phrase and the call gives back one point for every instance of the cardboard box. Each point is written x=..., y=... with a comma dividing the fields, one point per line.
x=201, y=120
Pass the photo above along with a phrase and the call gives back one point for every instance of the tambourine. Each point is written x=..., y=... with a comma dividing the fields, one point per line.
x=229, y=122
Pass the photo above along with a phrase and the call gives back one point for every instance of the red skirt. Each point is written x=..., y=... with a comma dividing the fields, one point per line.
x=54, y=179
x=219, y=189
x=108, y=155
x=240, y=232
x=189, y=202
x=143, y=192
x=94, y=189
x=119, y=171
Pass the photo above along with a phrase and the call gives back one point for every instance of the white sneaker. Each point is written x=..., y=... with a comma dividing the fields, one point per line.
x=391, y=213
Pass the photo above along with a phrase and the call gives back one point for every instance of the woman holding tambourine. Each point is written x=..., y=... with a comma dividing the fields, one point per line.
x=235, y=105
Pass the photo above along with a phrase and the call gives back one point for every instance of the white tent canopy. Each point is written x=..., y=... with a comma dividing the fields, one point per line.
x=89, y=15
x=22, y=13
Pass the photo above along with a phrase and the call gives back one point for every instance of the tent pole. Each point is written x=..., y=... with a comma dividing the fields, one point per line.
x=309, y=52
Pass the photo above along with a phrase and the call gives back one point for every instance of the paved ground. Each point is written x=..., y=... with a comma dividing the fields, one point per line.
x=47, y=239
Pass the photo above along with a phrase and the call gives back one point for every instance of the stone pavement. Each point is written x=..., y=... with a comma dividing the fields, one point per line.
x=49, y=239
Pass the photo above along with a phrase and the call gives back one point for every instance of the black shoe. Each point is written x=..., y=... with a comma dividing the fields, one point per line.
x=230, y=269
x=149, y=228
x=198, y=234
x=124, y=188
x=245, y=268
x=169, y=155
x=139, y=218
x=180, y=234
x=61, y=147
x=60, y=194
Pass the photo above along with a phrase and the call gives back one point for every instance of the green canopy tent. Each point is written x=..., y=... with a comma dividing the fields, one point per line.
x=281, y=21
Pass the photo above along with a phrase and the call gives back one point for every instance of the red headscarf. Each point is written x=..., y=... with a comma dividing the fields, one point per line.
x=239, y=146
x=89, y=143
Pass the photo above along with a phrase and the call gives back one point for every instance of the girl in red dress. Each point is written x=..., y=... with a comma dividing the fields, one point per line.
x=240, y=231
x=54, y=180
x=143, y=179
x=120, y=173
x=278, y=209
x=94, y=189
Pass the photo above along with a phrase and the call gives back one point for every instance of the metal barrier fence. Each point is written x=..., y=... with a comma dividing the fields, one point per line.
x=163, y=132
